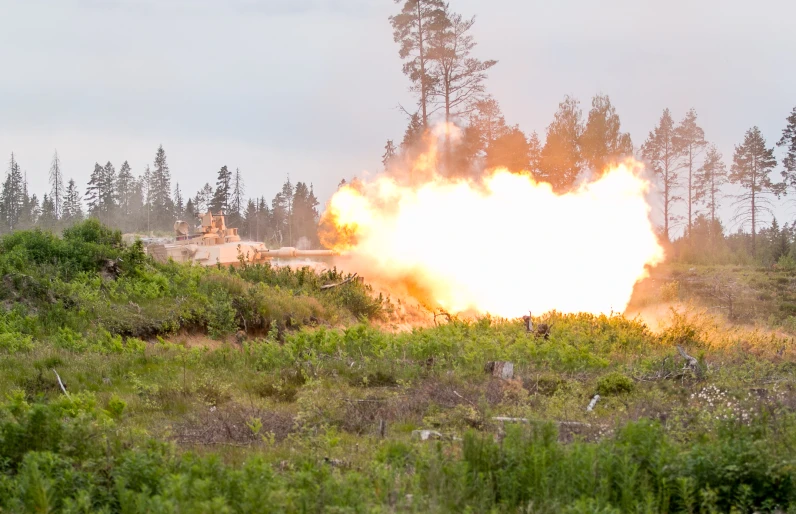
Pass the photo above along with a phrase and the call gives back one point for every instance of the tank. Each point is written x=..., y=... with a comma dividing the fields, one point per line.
x=212, y=242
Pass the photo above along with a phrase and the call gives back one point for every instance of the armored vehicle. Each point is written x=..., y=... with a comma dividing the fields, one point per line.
x=212, y=242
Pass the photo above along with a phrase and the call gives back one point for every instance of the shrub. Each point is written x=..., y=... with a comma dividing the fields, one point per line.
x=614, y=383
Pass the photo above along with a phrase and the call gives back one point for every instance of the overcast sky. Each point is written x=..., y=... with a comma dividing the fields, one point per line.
x=311, y=87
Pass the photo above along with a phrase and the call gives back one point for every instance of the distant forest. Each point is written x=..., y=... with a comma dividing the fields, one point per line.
x=448, y=83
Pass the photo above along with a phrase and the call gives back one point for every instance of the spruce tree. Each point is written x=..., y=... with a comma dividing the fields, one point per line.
x=160, y=192
x=414, y=132
x=73, y=208
x=602, y=142
x=108, y=198
x=190, y=211
x=204, y=197
x=94, y=191
x=663, y=154
x=510, y=151
x=389, y=154
x=47, y=218
x=12, y=196
x=179, y=206
x=690, y=139
x=56, y=187
x=751, y=169
x=236, y=201
x=221, y=197
x=561, y=160
x=125, y=185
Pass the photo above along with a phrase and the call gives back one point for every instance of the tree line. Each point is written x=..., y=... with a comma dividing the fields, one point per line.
x=449, y=84
x=147, y=203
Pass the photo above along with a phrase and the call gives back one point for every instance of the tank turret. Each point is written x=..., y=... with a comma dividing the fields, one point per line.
x=212, y=242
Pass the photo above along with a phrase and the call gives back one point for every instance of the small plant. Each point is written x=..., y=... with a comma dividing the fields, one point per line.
x=116, y=407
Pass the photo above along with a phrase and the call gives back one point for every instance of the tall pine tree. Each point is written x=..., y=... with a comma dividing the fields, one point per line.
x=751, y=169
x=663, y=154
x=708, y=181
x=414, y=28
x=690, y=140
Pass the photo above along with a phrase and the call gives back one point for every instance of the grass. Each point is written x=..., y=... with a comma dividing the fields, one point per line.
x=319, y=416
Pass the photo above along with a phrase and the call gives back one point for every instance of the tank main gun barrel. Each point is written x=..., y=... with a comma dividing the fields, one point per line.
x=288, y=252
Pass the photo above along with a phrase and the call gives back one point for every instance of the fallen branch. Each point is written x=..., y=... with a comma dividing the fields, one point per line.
x=691, y=362
x=60, y=383
x=346, y=281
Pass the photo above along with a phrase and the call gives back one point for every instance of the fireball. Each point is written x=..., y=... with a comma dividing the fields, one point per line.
x=503, y=245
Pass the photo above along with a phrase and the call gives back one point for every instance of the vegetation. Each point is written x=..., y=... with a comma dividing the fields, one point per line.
x=315, y=408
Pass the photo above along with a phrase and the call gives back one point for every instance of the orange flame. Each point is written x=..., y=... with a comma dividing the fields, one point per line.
x=503, y=246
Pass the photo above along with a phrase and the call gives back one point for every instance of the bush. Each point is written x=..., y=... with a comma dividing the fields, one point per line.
x=614, y=383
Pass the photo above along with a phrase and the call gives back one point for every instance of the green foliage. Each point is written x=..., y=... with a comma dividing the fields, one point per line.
x=89, y=291
x=614, y=383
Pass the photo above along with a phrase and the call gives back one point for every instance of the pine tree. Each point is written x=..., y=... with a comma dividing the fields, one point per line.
x=690, y=139
x=414, y=132
x=220, y=202
x=414, y=28
x=663, y=154
x=389, y=154
x=602, y=142
x=73, y=209
x=788, y=142
x=160, y=192
x=56, y=186
x=752, y=165
x=708, y=181
x=460, y=76
x=561, y=156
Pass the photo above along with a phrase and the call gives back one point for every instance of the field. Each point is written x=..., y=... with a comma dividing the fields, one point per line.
x=322, y=407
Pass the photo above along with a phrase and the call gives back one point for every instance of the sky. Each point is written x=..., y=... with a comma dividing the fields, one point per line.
x=312, y=88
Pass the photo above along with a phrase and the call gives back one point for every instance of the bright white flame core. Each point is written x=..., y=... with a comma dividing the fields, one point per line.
x=508, y=247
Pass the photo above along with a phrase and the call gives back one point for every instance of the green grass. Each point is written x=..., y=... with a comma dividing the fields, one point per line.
x=162, y=417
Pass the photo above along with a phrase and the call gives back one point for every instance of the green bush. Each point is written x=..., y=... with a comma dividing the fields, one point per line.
x=614, y=383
